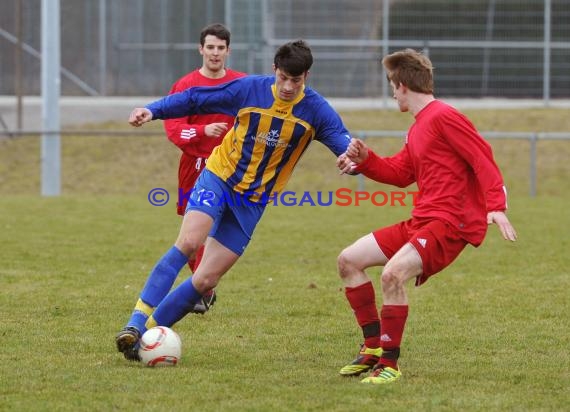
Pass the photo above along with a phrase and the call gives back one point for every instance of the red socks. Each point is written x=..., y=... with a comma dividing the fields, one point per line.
x=362, y=300
x=393, y=319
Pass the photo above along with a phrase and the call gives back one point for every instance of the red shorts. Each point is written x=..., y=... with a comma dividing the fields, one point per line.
x=188, y=172
x=437, y=243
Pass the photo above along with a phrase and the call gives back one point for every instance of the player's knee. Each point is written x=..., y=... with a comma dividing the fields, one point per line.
x=188, y=245
x=204, y=283
x=345, y=264
x=390, y=278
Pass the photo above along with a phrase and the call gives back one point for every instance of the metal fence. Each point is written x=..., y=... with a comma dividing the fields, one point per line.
x=532, y=137
x=480, y=48
x=507, y=48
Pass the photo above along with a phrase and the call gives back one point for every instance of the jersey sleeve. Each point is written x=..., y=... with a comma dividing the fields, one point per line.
x=470, y=145
x=224, y=99
x=331, y=130
x=396, y=170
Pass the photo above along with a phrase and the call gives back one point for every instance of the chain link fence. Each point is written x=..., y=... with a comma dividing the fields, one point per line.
x=491, y=48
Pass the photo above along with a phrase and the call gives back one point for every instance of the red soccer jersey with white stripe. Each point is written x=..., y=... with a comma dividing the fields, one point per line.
x=188, y=132
x=454, y=169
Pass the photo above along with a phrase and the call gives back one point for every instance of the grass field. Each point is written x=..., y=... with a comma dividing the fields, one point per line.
x=488, y=333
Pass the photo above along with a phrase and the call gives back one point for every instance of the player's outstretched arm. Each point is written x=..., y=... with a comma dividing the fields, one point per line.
x=139, y=116
x=501, y=219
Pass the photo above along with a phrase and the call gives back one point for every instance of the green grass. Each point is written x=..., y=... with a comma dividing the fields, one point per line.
x=488, y=333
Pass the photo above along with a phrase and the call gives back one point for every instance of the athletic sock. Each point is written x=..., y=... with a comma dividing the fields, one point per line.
x=393, y=319
x=140, y=315
x=159, y=282
x=362, y=300
x=175, y=305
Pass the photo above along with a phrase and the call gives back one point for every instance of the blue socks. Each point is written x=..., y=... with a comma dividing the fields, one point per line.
x=157, y=286
x=176, y=305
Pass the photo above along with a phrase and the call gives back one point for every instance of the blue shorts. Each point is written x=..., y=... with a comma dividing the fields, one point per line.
x=235, y=217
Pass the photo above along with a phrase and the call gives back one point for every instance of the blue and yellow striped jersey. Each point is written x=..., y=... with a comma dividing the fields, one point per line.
x=269, y=135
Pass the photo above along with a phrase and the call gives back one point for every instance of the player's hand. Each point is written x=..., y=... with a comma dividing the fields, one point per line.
x=344, y=164
x=216, y=129
x=139, y=116
x=500, y=218
x=357, y=151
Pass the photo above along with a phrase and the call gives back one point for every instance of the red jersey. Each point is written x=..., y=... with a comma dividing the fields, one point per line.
x=453, y=166
x=188, y=133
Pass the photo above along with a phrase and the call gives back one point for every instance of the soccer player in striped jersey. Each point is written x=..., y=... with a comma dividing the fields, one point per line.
x=461, y=191
x=277, y=117
x=196, y=136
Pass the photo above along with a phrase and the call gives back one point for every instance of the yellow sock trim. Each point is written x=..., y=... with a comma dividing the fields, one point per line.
x=144, y=308
x=150, y=323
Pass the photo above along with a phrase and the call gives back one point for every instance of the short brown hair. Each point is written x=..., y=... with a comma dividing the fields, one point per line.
x=294, y=58
x=218, y=30
x=410, y=68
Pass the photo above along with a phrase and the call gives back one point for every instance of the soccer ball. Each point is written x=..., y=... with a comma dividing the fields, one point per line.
x=160, y=346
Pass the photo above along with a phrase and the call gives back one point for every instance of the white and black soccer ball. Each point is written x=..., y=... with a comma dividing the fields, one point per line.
x=160, y=346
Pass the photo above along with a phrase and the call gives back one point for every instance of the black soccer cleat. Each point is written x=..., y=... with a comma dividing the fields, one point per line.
x=204, y=304
x=127, y=341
